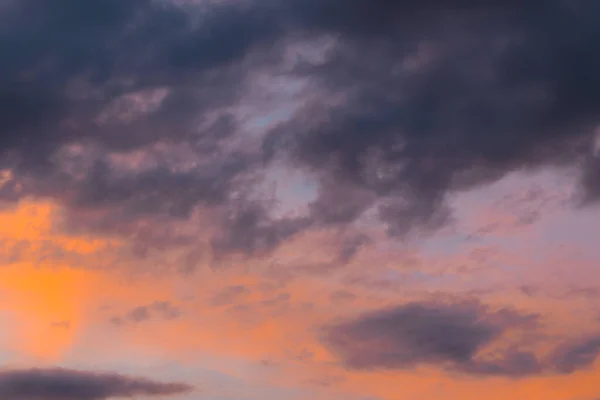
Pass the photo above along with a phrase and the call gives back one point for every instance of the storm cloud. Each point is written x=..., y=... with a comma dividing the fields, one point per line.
x=89, y=89
x=435, y=97
x=65, y=384
x=128, y=110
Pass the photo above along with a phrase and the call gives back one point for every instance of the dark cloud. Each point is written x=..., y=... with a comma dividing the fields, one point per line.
x=93, y=98
x=591, y=180
x=160, y=309
x=415, y=100
x=247, y=228
x=142, y=42
x=449, y=335
x=65, y=384
x=575, y=355
x=458, y=337
x=85, y=79
x=439, y=96
x=512, y=363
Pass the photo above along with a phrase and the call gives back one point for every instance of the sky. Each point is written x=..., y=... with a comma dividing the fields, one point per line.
x=299, y=199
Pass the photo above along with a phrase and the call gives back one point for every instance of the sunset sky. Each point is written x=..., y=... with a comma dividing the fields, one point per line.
x=300, y=199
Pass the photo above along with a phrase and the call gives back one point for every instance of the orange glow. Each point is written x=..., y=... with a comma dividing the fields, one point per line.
x=58, y=307
x=29, y=220
x=48, y=307
x=47, y=303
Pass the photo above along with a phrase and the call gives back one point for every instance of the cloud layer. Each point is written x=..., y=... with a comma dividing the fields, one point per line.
x=406, y=104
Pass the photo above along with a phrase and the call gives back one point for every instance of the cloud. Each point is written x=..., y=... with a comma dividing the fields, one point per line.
x=436, y=97
x=162, y=309
x=149, y=44
x=65, y=384
x=141, y=79
x=351, y=246
x=454, y=336
x=415, y=334
x=137, y=112
x=458, y=337
x=575, y=355
x=246, y=228
x=591, y=179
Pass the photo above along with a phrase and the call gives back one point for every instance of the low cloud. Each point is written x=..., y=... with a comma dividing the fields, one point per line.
x=65, y=384
x=576, y=355
x=456, y=337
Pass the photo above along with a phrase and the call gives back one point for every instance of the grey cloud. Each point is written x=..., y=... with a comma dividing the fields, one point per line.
x=417, y=333
x=161, y=309
x=591, y=180
x=452, y=336
x=350, y=246
x=575, y=355
x=66, y=384
x=448, y=335
x=109, y=41
x=157, y=191
x=247, y=228
x=430, y=98
x=441, y=96
x=80, y=62
x=513, y=363
x=71, y=81
x=166, y=309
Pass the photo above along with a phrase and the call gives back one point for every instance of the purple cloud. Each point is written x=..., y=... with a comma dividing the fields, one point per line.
x=65, y=384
